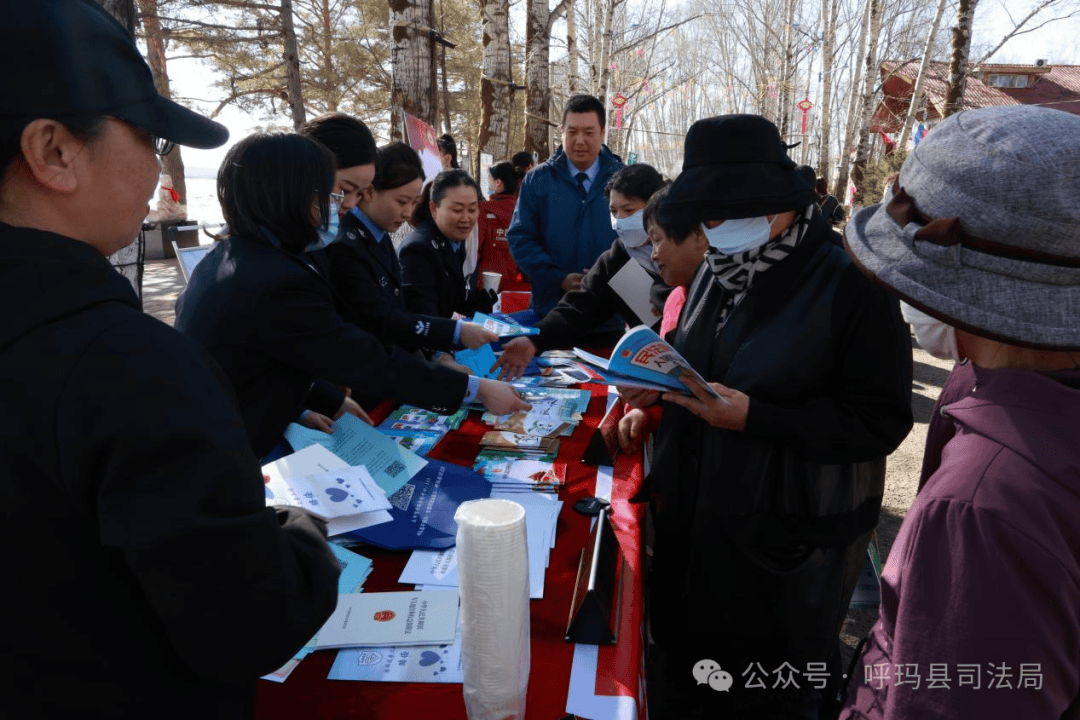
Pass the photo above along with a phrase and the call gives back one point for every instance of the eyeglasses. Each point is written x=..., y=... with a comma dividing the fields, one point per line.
x=162, y=146
x=337, y=198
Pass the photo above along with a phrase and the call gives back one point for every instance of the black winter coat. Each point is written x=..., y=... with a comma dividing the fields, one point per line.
x=753, y=526
x=432, y=276
x=146, y=578
x=268, y=317
x=367, y=281
x=582, y=311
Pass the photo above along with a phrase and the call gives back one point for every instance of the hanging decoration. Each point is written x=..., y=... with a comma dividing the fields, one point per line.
x=805, y=106
x=618, y=101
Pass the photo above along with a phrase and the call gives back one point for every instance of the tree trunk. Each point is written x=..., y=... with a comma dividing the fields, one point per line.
x=829, y=11
x=787, y=73
x=445, y=89
x=413, y=64
x=292, y=65
x=328, y=57
x=840, y=190
x=958, y=61
x=862, y=155
x=537, y=79
x=496, y=86
x=571, y=48
x=916, y=92
x=606, y=52
x=173, y=163
x=123, y=11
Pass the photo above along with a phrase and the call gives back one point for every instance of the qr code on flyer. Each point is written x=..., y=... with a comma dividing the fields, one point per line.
x=394, y=469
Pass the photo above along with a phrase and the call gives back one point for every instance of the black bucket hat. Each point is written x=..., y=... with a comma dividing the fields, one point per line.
x=70, y=57
x=735, y=166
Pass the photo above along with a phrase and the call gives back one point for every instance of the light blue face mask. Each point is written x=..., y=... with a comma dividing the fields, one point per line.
x=735, y=236
x=631, y=229
x=633, y=237
x=330, y=234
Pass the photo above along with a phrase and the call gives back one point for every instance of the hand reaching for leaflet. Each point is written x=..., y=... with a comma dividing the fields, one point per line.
x=516, y=356
x=500, y=398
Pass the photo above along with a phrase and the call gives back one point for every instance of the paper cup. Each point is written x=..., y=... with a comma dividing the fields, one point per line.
x=490, y=281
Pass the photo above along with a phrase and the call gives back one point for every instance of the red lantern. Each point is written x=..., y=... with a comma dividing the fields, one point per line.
x=805, y=106
x=618, y=101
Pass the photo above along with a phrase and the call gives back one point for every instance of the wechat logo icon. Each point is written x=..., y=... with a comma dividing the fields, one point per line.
x=708, y=672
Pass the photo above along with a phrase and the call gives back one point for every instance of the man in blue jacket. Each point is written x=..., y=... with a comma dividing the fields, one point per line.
x=562, y=224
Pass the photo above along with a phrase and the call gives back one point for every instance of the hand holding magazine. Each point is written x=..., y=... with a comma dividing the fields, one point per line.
x=642, y=359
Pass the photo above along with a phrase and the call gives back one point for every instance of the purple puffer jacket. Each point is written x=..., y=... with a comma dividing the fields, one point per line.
x=980, y=597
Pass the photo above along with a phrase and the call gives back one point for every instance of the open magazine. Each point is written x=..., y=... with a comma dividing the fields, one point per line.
x=642, y=359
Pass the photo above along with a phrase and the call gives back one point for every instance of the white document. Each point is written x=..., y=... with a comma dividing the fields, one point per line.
x=431, y=567
x=633, y=284
x=339, y=493
x=416, y=663
x=440, y=568
x=391, y=618
x=312, y=460
x=357, y=443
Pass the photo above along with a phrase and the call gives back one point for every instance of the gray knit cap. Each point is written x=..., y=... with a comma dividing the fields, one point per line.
x=982, y=228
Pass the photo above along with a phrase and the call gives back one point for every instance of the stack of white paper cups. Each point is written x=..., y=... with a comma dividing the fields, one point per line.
x=493, y=566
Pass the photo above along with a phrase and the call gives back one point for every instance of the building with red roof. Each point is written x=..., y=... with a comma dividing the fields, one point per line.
x=988, y=85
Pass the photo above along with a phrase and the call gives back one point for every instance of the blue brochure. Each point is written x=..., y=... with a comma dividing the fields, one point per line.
x=423, y=509
x=479, y=361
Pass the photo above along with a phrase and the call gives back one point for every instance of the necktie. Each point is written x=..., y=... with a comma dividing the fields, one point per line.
x=387, y=246
x=581, y=178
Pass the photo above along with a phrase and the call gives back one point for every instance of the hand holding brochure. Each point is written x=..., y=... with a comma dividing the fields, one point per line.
x=503, y=329
x=643, y=359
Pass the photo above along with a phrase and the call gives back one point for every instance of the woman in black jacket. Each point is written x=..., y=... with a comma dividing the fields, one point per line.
x=266, y=312
x=591, y=305
x=361, y=263
x=432, y=256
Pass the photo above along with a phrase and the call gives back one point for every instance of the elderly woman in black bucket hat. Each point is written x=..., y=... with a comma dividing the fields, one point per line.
x=980, y=238
x=767, y=491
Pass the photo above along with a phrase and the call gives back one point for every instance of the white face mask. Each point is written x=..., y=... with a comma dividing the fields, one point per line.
x=631, y=229
x=933, y=336
x=735, y=236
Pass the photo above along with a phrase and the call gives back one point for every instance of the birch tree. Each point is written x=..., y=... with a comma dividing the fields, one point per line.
x=958, y=59
x=829, y=12
x=496, y=84
x=538, y=24
x=866, y=103
x=412, y=86
x=916, y=92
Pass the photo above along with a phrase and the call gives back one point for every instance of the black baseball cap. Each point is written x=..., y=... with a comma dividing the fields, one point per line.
x=71, y=57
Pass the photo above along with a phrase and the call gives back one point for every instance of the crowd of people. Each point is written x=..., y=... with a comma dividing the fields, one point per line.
x=132, y=450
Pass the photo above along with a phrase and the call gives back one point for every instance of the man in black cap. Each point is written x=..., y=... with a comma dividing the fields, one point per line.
x=146, y=576
x=768, y=490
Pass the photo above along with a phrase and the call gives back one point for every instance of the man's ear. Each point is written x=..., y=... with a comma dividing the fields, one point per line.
x=50, y=151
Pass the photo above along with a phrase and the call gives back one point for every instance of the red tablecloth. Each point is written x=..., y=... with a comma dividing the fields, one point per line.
x=307, y=693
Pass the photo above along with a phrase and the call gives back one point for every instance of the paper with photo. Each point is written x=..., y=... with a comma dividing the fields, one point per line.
x=391, y=618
